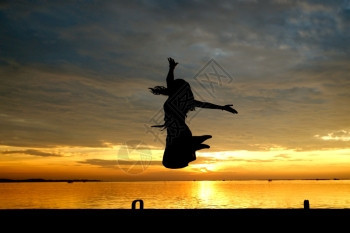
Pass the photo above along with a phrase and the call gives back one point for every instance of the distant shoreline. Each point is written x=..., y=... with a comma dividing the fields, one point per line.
x=44, y=180
x=2, y=180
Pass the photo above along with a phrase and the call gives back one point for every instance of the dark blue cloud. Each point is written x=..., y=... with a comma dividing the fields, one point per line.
x=110, y=37
x=70, y=68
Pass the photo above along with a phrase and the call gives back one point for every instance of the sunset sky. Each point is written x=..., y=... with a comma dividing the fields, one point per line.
x=75, y=103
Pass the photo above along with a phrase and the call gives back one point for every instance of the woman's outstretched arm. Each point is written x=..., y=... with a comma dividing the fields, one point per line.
x=170, y=77
x=227, y=107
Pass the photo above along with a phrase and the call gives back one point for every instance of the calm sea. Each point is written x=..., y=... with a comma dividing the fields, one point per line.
x=177, y=194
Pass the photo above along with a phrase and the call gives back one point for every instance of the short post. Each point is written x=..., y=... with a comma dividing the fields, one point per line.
x=306, y=205
x=133, y=204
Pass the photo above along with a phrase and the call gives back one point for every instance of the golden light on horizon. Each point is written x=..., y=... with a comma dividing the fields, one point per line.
x=80, y=162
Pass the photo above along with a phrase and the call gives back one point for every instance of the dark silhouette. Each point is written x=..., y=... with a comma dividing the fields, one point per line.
x=181, y=146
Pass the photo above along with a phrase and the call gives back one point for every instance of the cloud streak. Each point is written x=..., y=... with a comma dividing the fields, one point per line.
x=32, y=152
x=341, y=135
x=105, y=163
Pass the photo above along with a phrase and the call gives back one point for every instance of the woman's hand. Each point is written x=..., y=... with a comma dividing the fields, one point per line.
x=228, y=108
x=172, y=63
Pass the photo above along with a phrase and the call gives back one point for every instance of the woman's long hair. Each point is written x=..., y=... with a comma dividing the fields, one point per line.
x=159, y=90
x=180, y=95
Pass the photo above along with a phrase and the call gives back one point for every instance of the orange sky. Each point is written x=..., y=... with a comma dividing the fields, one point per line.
x=75, y=103
x=145, y=164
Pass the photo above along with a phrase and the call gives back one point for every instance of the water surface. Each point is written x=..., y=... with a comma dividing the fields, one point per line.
x=333, y=194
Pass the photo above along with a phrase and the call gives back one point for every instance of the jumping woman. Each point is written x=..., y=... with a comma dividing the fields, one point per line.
x=181, y=146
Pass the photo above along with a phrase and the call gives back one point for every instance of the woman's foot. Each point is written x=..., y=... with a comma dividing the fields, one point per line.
x=200, y=139
x=201, y=146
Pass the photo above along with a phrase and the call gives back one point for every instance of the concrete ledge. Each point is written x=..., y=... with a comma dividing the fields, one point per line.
x=104, y=214
x=175, y=220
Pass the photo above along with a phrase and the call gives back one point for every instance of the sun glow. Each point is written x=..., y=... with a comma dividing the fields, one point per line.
x=206, y=191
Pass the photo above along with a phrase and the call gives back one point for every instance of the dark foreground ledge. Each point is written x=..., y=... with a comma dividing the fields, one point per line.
x=176, y=220
x=172, y=220
x=66, y=213
x=293, y=217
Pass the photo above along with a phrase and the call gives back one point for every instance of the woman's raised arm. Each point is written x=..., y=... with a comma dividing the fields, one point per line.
x=170, y=76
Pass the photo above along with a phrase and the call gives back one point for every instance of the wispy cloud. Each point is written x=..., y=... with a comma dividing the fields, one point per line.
x=32, y=152
x=116, y=163
x=341, y=135
x=283, y=156
x=100, y=162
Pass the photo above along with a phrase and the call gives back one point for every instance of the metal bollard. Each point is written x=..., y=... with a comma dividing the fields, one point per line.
x=133, y=204
x=306, y=205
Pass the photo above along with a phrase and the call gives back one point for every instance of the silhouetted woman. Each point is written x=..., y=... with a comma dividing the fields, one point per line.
x=181, y=146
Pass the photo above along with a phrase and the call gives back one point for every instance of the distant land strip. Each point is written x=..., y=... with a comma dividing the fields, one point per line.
x=44, y=180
